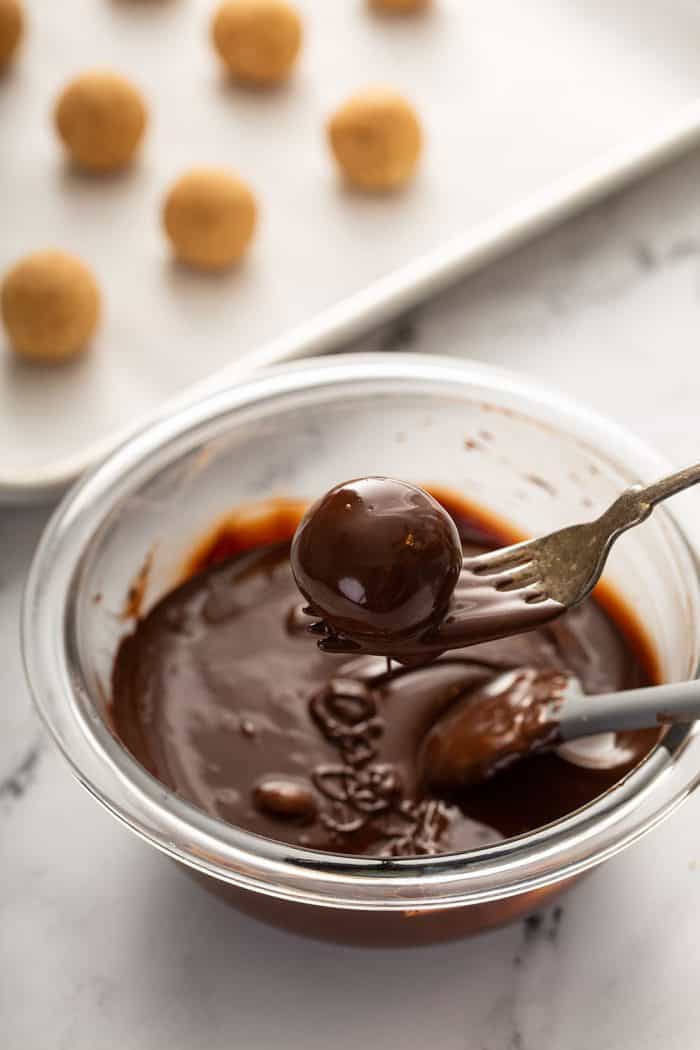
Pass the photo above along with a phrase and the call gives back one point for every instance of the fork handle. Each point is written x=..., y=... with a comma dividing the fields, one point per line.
x=651, y=707
x=669, y=486
x=635, y=504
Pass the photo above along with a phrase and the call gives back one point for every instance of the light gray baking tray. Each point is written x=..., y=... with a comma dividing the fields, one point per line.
x=531, y=111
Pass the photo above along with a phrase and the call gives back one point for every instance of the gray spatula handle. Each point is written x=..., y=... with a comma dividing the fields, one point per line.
x=654, y=705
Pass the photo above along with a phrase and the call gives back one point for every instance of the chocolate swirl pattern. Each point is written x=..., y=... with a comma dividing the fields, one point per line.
x=360, y=790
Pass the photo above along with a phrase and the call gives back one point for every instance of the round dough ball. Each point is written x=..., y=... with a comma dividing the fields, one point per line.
x=101, y=118
x=11, y=23
x=259, y=40
x=50, y=304
x=400, y=6
x=210, y=216
x=376, y=139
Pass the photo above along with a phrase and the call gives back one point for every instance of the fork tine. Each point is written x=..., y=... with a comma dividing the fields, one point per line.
x=518, y=578
x=498, y=560
x=535, y=594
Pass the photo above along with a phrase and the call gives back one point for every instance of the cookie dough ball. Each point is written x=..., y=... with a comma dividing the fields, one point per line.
x=50, y=304
x=210, y=216
x=11, y=22
x=101, y=118
x=402, y=7
x=258, y=40
x=376, y=139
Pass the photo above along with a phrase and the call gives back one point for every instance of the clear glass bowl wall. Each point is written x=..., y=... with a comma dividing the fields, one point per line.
x=530, y=457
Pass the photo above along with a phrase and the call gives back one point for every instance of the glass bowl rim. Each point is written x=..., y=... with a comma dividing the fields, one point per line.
x=559, y=851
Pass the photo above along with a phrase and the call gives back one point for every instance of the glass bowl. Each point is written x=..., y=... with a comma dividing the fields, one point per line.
x=531, y=457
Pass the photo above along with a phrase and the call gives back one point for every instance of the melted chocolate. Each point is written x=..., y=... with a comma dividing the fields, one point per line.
x=221, y=692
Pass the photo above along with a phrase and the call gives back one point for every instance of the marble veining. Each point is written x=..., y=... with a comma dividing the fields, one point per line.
x=19, y=780
x=106, y=945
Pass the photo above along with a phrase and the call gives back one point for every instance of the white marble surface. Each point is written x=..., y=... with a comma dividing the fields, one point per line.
x=103, y=944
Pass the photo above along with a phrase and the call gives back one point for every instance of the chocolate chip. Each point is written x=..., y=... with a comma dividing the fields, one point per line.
x=286, y=798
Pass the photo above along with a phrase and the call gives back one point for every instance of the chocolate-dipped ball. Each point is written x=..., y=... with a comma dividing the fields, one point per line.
x=377, y=557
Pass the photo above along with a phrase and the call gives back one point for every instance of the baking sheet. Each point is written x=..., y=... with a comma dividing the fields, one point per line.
x=530, y=110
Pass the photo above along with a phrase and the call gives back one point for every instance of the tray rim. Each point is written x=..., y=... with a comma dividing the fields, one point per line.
x=402, y=289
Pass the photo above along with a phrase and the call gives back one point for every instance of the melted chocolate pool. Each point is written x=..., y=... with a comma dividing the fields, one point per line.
x=222, y=694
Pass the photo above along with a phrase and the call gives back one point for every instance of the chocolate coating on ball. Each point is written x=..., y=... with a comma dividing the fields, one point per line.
x=377, y=557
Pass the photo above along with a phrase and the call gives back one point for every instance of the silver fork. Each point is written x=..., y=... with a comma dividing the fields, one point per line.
x=523, y=586
x=565, y=566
